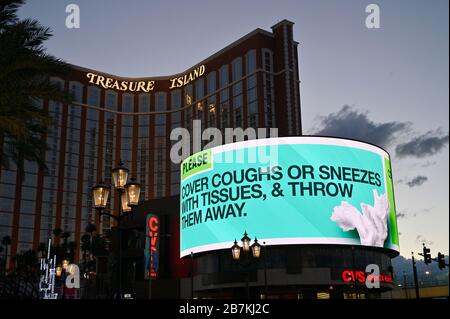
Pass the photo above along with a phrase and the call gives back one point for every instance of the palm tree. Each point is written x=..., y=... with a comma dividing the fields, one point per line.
x=85, y=247
x=72, y=246
x=57, y=232
x=90, y=228
x=25, y=71
x=6, y=241
x=42, y=248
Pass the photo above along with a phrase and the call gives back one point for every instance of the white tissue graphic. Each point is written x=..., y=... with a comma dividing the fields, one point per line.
x=371, y=224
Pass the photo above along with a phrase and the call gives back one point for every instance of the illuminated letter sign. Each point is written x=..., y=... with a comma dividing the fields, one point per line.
x=110, y=83
x=152, y=247
x=187, y=78
x=361, y=276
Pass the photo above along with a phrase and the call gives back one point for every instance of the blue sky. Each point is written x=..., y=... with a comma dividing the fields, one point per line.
x=394, y=79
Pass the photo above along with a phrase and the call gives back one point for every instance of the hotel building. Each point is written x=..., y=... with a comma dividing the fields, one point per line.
x=253, y=82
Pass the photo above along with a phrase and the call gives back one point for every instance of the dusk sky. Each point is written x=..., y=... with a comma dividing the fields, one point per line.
x=388, y=86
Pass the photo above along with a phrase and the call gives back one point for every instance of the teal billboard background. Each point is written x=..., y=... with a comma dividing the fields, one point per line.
x=288, y=217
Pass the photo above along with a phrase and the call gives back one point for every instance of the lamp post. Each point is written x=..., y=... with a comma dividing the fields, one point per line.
x=236, y=253
x=128, y=196
x=61, y=272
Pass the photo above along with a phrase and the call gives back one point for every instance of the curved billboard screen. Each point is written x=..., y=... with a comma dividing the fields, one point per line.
x=289, y=190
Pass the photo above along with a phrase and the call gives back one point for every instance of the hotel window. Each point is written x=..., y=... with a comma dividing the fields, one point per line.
x=111, y=101
x=252, y=102
x=92, y=115
x=143, y=142
x=188, y=99
x=29, y=180
x=159, y=172
x=175, y=179
x=175, y=98
x=77, y=91
x=144, y=107
x=269, y=90
x=29, y=193
x=27, y=206
x=6, y=219
x=199, y=94
x=160, y=101
x=127, y=129
x=160, y=146
x=93, y=96
x=224, y=98
x=237, y=92
x=108, y=140
x=211, y=88
x=90, y=157
x=6, y=204
x=127, y=108
x=26, y=220
x=8, y=176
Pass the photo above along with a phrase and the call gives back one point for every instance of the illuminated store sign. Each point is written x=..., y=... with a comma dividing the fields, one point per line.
x=361, y=277
x=152, y=247
x=310, y=190
x=143, y=86
x=110, y=83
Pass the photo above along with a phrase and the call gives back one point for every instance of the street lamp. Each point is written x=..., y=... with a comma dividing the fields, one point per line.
x=132, y=191
x=256, y=249
x=128, y=195
x=245, y=242
x=100, y=194
x=120, y=176
x=236, y=250
x=236, y=254
x=65, y=264
x=60, y=272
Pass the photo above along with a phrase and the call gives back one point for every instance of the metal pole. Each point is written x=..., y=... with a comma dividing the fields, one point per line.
x=354, y=273
x=192, y=275
x=120, y=243
x=416, y=284
x=265, y=269
x=150, y=260
x=150, y=286
x=247, y=275
x=63, y=284
x=404, y=284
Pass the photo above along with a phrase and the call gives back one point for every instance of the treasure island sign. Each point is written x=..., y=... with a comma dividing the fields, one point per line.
x=143, y=86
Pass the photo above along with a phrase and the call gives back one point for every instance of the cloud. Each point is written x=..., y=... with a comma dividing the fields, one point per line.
x=355, y=124
x=428, y=164
x=425, y=210
x=408, y=213
x=417, y=181
x=421, y=239
x=401, y=215
x=428, y=144
x=422, y=164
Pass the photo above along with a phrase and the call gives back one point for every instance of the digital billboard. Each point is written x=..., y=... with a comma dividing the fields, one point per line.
x=289, y=190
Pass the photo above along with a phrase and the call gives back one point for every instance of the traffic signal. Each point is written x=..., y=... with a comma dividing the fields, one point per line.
x=426, y=255
x=441, y=261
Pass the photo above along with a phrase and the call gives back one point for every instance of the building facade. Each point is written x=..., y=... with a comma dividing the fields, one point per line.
x=318, y=271
x=253, y=82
